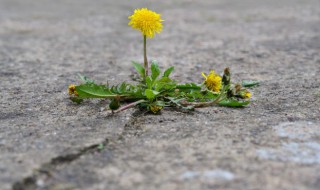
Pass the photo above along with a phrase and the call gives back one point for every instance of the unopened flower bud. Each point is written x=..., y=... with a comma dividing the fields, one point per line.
x=237, y=88
x=72, y=90
x=155, y=108
x=226, y=76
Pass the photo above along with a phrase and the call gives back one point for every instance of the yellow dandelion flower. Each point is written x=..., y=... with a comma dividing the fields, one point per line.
x=213, y=81
x=146, y=21
x=245, y=94
x=72, y=90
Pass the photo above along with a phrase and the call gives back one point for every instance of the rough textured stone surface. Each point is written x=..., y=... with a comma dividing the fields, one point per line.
x=47, y=142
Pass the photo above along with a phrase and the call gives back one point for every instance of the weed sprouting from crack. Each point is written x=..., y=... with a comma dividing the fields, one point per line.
x=155, y=91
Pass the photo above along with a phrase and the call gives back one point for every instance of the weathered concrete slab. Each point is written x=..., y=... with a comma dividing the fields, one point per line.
x=47, y=142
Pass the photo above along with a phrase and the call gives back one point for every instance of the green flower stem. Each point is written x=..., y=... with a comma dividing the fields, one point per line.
x=129, y=106
x=145, y=55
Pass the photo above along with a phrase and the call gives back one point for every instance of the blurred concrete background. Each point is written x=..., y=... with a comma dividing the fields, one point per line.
x=47, y=142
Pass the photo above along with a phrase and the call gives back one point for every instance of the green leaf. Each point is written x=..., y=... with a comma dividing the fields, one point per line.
x=85, y=79
x=250, y=83
x=168, y=72
x=210, y=95
x=164, y=80
x=149, y=82
x=189, y=108
x=175, y=100
x=139, y=68
x=155, y=71
x=233, y=103
x=164, y=83
x=151, y=94
x=122, y=88
x=94, y=91
x=195, y=94
x=102, y=91
x=160, y=103
x=159, y=86
x=188, y=86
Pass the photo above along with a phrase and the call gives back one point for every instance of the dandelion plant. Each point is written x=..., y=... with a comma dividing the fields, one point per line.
x=158, y=90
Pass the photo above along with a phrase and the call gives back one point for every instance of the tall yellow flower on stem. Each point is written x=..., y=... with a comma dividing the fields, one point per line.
x=148, y=23
x=213, y=81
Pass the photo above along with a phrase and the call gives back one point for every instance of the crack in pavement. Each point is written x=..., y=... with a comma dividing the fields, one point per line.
x=46, y=170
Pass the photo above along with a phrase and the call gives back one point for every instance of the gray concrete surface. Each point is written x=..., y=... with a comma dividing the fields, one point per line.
x=47, y=142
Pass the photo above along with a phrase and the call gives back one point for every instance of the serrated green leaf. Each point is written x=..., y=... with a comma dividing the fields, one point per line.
x=195, y=94
x=168, y=72
x=164, y=80
x=250, y=83
x=149, y=82
x=122, y=88
x=102, y=91
x=160, y=103
x=188, y=86
x=189, y=108
x=155, y=71
x=139, y=68
x=233, y=103
x=85, y=79
x=165, y=86
x=164, y=83
x=210, y=95
x=151, y=94
x=159, y=86
x=94, y=91
x=175, y=100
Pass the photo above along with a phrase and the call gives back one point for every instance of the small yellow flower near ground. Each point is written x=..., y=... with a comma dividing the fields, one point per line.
x=147, y=21
x=245, y=94
x=155, y=108
x=72, y=90
x=213, y=81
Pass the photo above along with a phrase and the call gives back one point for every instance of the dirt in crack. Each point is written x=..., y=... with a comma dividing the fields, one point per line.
x=47, y=170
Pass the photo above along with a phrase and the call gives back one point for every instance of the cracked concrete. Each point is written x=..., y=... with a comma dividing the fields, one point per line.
x=47, y=142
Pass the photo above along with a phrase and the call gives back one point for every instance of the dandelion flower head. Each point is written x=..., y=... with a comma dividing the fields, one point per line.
x=146, y=21
x=72, y=90
x=213, y=81
x=246, y=94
